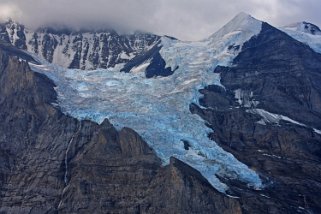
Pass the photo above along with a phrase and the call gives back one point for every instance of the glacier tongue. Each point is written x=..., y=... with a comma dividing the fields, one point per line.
x=158, y=108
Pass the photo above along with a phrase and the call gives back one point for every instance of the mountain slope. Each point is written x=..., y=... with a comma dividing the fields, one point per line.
x=306, y=33
x=80, y=49
x=304, y=27
x=268, y=114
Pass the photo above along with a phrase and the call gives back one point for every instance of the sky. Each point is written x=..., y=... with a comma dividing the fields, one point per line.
x=183, y=19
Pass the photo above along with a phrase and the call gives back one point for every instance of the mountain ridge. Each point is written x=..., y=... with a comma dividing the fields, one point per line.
x=305, y=27
x=80, y=49
x=95, y=47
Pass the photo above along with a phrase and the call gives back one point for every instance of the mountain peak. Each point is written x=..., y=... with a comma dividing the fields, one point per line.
x=243, y=15
x=242, y=22
x=305, y=27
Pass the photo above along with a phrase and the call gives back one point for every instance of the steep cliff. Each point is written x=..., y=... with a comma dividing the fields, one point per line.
x=78, y=48
x=268, y=116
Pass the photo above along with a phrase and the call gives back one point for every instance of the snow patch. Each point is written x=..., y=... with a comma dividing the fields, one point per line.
x=272, y=156
x=140, y=68
x=268, y=117
x=317, y=131
x=273, y=118
x=245, y=98
x=124, y=55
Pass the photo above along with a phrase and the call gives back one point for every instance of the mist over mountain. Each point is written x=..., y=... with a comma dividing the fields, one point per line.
x=186, y=20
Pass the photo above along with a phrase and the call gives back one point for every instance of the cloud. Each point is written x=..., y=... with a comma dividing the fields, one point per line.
x=184, y=19
x=8, y=10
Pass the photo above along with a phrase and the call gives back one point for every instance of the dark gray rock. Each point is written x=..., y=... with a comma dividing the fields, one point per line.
x=157, y=66
x=13, y=51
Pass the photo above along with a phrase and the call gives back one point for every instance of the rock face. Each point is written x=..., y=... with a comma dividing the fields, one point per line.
x=12, y=51
x=155, y=64
x=277, y=75
x=81, y=49
x=52, y=163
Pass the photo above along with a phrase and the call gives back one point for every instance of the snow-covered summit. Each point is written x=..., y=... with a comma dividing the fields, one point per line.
x=242, y=22
x=304, y=27
x=306, y=33
x=228, y=40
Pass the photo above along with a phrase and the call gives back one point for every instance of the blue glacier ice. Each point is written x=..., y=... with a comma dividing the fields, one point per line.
x=158, y=108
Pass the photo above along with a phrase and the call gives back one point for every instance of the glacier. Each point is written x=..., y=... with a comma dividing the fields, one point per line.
x=158, y=108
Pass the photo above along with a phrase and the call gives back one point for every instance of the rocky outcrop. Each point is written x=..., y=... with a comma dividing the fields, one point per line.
x=156, y=65
x=12, y=51
x=281, y=76
x=52, y=163
x=80, y=49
